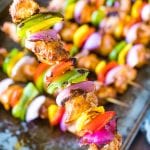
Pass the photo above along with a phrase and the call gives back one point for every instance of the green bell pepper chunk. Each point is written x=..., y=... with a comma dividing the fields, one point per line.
x=29, y=92
x=68, y=2
x=38, y=22
x=39, y=82
x=97, y=16
x=7, y=60
x=74, y=51
x=114, y=53
x=73, y=76
x=13, y=61
x=110, y=2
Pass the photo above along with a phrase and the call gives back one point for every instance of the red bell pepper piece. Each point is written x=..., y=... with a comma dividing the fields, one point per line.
x=40, y=69
x=102, y=74
x=59, y=69
x=99, y=121
x=16, y=95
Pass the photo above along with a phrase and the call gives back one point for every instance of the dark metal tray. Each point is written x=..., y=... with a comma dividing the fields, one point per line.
x=39, y=135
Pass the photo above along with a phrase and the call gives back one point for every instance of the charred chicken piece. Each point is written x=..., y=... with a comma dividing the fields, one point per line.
x=107, y=44
x=89, y=62
x=68, y=31
x=105, y=92
x=22, y=9
x=78, y=103
x=48, y=52
x=124, y=77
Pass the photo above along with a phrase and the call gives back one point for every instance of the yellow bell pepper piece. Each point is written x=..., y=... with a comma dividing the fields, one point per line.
x=52, y=109
x=44, y=25
x=123, y=53
x=136, y=8
x=82, y=120
x=119, y=30
x=69, y=11
x=100, y=66
x=79, y=35
x=13, y=62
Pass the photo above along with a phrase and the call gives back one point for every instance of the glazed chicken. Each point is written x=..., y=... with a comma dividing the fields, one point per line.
x=68, y=31
x=123, y=78
x=22, y=9
x=75, y=102
x=89, y=62
x=48, y=52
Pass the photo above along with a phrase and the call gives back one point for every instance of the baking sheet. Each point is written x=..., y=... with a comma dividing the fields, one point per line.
x=39, y=135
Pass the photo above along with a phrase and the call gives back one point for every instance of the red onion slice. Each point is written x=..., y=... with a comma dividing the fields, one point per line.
x=132, y=57
x=86, y=86
x=110, y=76
x=93, y=42
x=58, y=26
x=145, y=14
x=132, y=33
x=78, y=10
x=101, y=137
x=4, y=84
x=47, y=35
x=63, y=125
x=34, y=107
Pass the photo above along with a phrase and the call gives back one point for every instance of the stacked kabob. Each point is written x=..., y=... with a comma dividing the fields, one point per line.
x=80, y=113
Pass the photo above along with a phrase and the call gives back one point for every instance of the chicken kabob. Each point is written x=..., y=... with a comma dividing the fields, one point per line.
x=74, y=91
x=21, y=66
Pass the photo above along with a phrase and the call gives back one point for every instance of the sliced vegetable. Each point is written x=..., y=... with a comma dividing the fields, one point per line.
x=97, y=16
x=45, y=35
x=86, y=86
x=82, y=120
x=73, y=76
x=93, y=42
x=132, y=57
x=34, y=107
x=81, y=34
x=78, y=10
x=101, y=137
x=29, y=93
x=15, y=97
x=99, y=122
x=145, y=14
x=55, y=114
x=100, y=66
x=59, y=69
x=69, y=11
x=4, y=84
x=122, y=55
x=74, y=50
x=102, y=74
x=111, y=75
x=110, y=2
x=6, y=62
x=114, y=54
x=38, y=22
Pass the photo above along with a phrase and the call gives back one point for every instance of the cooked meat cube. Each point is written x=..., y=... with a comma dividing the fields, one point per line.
x=22, y=9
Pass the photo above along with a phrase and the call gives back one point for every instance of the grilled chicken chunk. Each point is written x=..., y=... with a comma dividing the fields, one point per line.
x=48, y=52
x=22, y=9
